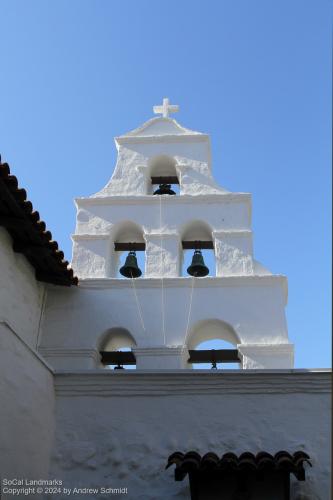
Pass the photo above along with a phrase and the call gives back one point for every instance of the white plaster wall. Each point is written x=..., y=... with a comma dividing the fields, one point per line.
x=78, y=317
x=162, y=255
x=94, y=257
x=228, y=212
x=190, y=153
x=98, y=226
x=26, y=383
x=119, y=429
x=26, y=409
x=21, y=296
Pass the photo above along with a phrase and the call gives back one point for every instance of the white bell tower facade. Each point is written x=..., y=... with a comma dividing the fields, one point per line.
x=162, y=314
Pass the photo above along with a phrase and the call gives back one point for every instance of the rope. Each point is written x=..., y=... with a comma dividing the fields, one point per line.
x=189, y=311
x=162, y=273
x=138, y=304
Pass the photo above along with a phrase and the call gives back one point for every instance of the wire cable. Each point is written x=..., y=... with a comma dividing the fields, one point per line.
x=162, y=273
x=189, y=311
x=138, y=304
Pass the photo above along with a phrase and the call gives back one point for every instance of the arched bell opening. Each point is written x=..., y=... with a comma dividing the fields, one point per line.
x=128, y=251
x=213, y=345
x=116, y=349
x=164, y=179
x=197, y=250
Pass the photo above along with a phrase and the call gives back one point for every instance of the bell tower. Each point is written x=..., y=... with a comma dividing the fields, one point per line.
x=162, y=200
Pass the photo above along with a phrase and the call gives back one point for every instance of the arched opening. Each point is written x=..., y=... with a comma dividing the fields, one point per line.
x=127, y=242
x=116, y=349
x=164, y=178
x=213, y=345
x=197, y=242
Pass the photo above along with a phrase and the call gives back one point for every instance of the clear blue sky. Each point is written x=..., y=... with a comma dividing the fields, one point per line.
x=255, y=75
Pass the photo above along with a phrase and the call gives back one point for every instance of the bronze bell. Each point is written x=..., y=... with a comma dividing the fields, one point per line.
x=130, y=269
x=164, y=189
x=198, y=267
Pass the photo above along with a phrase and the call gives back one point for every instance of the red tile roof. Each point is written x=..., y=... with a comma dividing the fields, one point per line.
x=192, y=462
x=29, y=233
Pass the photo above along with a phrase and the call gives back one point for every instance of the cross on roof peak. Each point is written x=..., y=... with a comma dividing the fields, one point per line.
x=165, y=108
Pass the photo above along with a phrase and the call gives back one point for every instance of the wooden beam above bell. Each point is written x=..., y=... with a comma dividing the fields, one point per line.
x=196, y=356
x=117, y=358
x=214, y=356
x=128, y=247
x=171, y=179
x=197, y=245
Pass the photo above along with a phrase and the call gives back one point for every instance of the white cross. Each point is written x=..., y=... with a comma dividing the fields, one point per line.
x=165, y=108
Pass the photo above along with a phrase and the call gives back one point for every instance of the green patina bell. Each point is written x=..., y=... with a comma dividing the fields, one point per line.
x=164, y=189
x=198, y=267
x=130, y=269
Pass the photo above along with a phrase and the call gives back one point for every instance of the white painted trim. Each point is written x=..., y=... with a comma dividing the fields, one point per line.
x=150, y=199
x=165, y=138
x=256, y=355
x=124, y=383
x=222, y=233
x=218, y=233
x=156, y=119
x=85, y=236
x=149, y=236
x=63, y=352
x=180, y=282
x=263, y=349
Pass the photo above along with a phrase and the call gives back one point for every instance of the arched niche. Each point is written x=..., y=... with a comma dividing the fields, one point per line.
x=114, y=340
x=211, y=329
x=212, y=335
x=197, y=235
x=127, y=231
x=196, y=230
x=162, y=170
x=123, y=235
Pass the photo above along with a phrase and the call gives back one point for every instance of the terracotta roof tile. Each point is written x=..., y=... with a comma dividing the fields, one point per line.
x=29, y=233
x=193, y=462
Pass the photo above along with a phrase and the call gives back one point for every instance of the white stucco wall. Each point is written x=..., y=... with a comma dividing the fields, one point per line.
x=162, y=137
x=100, y=221
x=21, y=296
x=78, y=318
x=118, y=429
x=26, y=383
x=27, y=409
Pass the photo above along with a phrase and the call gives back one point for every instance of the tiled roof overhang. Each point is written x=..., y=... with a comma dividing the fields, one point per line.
x=259, y=464
x=29, y=233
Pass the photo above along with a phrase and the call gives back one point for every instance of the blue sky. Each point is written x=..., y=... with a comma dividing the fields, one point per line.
x=255, y=75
